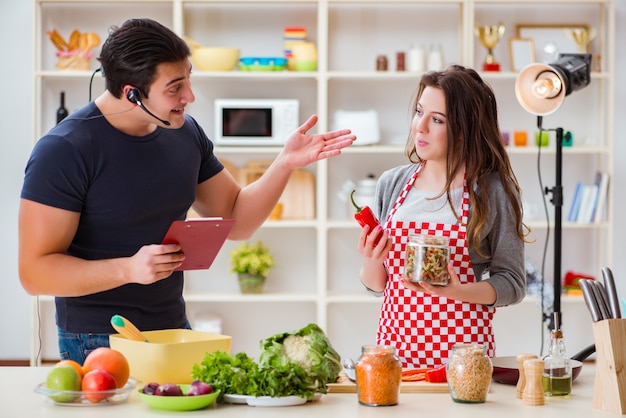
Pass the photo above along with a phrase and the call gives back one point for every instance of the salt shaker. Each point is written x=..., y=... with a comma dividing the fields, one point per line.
x=521, y=381
x=533, y=390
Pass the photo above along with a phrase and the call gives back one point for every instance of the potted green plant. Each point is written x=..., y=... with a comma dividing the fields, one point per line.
x=252, y=263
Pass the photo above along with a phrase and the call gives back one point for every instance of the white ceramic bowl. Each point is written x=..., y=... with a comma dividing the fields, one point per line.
x=214, y=58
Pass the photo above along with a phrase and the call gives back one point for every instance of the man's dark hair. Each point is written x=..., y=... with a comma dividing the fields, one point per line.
x=132, y=52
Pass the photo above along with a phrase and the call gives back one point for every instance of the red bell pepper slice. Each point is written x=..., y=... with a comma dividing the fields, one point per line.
x=437, y=375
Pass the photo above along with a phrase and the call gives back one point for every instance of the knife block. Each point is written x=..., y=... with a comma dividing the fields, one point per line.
x=610, y=384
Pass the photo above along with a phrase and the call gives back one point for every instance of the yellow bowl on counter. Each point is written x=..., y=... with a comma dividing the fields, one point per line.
x=214, y=58
x=169, y=355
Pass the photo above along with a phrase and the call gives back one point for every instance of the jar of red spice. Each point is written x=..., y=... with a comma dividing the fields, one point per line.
x=378, y=376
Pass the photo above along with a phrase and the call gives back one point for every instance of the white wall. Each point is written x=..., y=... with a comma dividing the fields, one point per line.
x=16, y=18
x=16, y=134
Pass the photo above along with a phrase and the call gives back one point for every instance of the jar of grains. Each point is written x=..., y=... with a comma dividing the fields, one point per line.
x=378, y=376
x=469, y=373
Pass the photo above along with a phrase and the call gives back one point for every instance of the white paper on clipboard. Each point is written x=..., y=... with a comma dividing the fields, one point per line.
x=200, y=238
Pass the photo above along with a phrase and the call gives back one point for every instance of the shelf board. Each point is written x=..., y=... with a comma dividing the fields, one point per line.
x=195, y=296
x=286, y=75
x=551, y=150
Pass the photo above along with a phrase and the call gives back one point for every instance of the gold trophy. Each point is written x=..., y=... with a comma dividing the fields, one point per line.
x=583, y=38
x=489, y=36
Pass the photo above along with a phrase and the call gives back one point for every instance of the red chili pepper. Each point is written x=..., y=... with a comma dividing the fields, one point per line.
x=364, y=215
x=437, y=375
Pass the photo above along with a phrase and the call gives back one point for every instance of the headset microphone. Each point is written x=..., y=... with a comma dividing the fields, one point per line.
x=134, y=96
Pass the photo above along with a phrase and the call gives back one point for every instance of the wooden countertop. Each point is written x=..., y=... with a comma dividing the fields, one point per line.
x=17, y=399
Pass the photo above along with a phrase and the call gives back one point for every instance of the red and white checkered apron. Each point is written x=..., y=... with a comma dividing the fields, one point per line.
x=424, y=327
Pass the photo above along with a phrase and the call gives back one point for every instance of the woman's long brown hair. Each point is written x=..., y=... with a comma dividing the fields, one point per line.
x=474, y=139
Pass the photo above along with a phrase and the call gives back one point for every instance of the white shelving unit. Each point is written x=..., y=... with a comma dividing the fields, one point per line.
x=316, y=277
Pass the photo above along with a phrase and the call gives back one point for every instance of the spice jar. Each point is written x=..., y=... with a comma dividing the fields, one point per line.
x=381, y=63
x=400, y=61
x=469, y=373
x=378, y=376
x=427, y=259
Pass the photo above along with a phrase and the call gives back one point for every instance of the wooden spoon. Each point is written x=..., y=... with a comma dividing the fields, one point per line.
x=127, y=329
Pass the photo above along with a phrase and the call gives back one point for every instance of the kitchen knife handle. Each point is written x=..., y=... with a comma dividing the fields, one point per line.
x=611, y=290
x=600, y=295
x=590, y=300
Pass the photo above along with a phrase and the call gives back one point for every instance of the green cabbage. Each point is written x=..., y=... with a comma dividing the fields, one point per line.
x=308, y=348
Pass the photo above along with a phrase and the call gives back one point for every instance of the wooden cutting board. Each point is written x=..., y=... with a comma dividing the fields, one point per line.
x=345, y=385
x=298, y=198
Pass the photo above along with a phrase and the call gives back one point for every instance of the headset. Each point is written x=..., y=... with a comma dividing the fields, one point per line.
x=134, y=96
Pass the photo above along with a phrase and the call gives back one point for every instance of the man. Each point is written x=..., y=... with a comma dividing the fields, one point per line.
x=102, y=187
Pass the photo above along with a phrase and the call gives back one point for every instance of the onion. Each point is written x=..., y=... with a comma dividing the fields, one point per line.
x=199, y=388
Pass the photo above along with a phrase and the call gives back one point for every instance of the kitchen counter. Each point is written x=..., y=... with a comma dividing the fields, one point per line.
x=17, y=399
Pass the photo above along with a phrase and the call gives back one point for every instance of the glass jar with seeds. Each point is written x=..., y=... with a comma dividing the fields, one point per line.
x=469, y=373
x=378, y=376
x=427, y=258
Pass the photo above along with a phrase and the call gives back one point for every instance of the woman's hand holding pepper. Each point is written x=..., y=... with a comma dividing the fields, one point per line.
x=374, y=244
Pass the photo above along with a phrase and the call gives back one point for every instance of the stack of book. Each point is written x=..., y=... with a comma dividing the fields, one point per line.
x=589, y=202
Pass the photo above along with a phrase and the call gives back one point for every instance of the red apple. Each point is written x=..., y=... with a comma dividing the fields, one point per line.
x=96, y=381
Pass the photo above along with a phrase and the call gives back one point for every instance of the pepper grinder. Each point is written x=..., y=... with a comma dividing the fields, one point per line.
x=533, y=390
x=521, y=382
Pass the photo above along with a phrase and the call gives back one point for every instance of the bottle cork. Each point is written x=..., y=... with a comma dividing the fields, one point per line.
x=521, y=382
x=533, y=390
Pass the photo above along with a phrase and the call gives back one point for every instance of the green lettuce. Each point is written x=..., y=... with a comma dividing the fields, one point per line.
x=299, y=363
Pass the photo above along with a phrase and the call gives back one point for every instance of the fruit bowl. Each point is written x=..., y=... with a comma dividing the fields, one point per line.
x=170, y=354
x=81, y=398
x=179, y=403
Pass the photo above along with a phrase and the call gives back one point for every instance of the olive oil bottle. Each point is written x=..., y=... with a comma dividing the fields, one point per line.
x=557, y=370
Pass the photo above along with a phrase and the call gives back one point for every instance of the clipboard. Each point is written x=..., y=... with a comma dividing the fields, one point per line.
x=200, y=238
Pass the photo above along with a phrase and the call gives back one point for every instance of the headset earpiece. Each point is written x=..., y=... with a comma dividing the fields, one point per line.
x=134, y=96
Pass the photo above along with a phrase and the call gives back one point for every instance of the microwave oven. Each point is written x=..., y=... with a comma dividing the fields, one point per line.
x=253, y=122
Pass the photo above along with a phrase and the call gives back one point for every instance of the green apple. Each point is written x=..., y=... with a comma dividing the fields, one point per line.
x=64, y=378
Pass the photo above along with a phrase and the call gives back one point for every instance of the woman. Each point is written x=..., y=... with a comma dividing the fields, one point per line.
x=459, y=184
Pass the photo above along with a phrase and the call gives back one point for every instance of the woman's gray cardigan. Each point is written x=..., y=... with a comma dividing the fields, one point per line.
x=503, y=265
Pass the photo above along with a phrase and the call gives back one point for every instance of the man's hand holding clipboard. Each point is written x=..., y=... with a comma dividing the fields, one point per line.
x=200, y=238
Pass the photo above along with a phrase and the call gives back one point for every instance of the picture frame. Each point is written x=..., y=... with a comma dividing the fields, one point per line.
x=522, y=53
x=550, y=39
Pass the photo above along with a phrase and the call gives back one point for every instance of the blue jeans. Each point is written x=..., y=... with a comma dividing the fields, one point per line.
x=76, y=346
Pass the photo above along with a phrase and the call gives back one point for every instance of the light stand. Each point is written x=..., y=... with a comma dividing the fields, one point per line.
x=540, y=89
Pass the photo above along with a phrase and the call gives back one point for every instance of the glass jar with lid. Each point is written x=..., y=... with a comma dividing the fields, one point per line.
x=427, y=258
x=469, y=373
x=378, y=376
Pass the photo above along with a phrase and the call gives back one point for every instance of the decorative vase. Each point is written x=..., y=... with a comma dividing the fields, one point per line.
x=251, y=283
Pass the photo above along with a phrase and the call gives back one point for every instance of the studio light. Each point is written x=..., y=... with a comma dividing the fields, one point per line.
x=541, y=89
